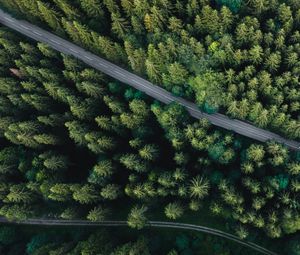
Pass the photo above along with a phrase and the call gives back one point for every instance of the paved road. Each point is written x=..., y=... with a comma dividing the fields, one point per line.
x=159, y=224
x=139, y=83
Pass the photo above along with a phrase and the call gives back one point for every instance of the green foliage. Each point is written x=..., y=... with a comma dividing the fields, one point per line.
x=219, y=153
x=149, y=152
x=74, y=143
x=291, y=225
x=242, y=232
x=60, y=192
x=69, y=214
x=97, y=214
x=36, y=242
x=16, y=212
x=171, y=116
x=86, y=194
x=233, y=5
x=137, y=218
x=173, y=210
x=131, y=161
x=199, y=187
x=293, y=247
x=110, y=191
x=8, y=235
x=138, y=247
x=92, y=8
x=208, y=89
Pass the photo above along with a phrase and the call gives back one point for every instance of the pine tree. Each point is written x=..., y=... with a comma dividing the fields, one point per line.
x=104, y=168
x=54, y=120
x=131, y=161
x=91, y=89
x=67, y=8
x=158, y=17
x=153, y=71
x=119, y=25
x=47, y=139
x=149, y=152
x=242, y=232
x=93, y=8
x=273, y=61
x=208, y=21
x=50, y=16
x=69, y=214
x=115, y=105
x=28, y=6
x=256, y=54
x=177, y=74
x=199, y=187
x=9, y=159
x=16, y=212
x=47, y=51
x=255, y=153
x=71, y=30
x=83, y=109
x=24, y=133
x=54, y=161
x=110, y=191
x=9, y=86
x=148, y=23
x=262, y=119
x=97, y=214
x=104, y=123
x=137, y=218
x=60, y=192
x=40, y=103
x=173, y=211
x=77, y=131
x=294, y=168
x=293, y=129
x=86, y=194
x=57, y=92
x=20, y=194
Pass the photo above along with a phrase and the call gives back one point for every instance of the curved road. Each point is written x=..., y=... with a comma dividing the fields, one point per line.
x=139, y=83
x=160, y=224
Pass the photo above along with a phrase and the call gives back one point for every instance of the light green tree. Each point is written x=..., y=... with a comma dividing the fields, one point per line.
x=137, y=218
x=173, y=210
x=199, y=187
x=97, y=214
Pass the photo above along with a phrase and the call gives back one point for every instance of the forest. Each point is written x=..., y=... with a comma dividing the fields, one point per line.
x=79, y=241
x=76, y=144
x=248, y=50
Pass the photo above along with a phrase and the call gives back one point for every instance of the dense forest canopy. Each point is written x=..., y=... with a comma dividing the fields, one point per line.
x=234, y=56
x=76, y=144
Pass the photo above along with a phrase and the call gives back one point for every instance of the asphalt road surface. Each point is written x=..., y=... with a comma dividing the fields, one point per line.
x=159, y=224
x=66, y=47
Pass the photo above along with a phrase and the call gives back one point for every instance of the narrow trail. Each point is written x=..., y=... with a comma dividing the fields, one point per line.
x=158, y=224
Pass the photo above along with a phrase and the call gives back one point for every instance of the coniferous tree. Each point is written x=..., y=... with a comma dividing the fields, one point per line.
x=137, y=218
